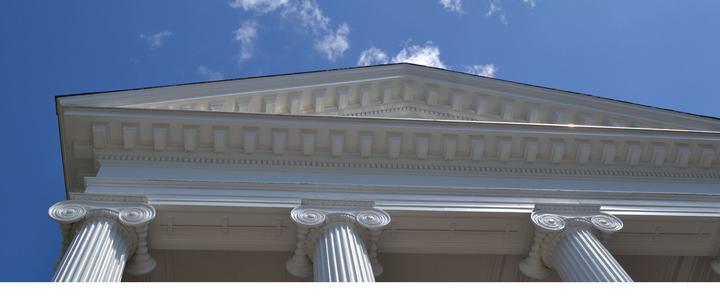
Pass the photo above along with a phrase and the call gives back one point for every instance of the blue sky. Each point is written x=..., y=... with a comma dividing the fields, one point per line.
x=659, y=53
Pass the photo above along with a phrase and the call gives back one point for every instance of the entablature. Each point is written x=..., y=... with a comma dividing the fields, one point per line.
x=336, y=142
x=421, y=231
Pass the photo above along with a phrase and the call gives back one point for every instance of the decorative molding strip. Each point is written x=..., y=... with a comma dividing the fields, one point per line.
x=407, y=108
x=391, y=144
x=94, y=197
x=295, y=162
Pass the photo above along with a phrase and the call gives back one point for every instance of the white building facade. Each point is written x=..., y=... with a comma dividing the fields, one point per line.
x=394, y=172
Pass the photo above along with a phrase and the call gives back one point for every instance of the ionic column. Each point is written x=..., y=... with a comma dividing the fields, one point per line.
x=330, y=233
x=567, y=243
x=101, y=232
x=340, y=256
x=715, y=265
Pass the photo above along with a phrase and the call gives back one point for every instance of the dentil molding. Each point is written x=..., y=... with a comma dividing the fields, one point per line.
x=436, y=166
x=196, y=137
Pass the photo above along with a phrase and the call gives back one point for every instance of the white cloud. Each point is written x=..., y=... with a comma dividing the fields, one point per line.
x=333, y=45
x=246, y=35
x=208, y=74
x=157, y=39
x=487, y=70
x=372, y=56
x=306, y=12
x=261, y=6
x=309, y=17
x=530, y=3
x=428, y=55
x=496, y=9
x=492, y=9
x=454, y=6
x=503, y=19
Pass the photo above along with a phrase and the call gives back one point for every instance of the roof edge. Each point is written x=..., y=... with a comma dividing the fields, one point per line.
x=411, y=65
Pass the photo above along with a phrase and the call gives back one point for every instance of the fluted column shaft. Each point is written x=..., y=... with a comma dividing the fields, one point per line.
x=565, y=241
x=580, y=257
x=97, y=253
x=341, y=256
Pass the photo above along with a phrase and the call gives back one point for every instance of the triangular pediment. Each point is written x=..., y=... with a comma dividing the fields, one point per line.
x=398, y=91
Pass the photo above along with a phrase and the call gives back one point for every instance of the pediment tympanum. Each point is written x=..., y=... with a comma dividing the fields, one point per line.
x=398, y=91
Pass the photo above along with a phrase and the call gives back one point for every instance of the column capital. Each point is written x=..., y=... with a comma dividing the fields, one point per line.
x=551, y=223
x=555, y=220
x=314, y=215
x=131, y=212
x=128, y=210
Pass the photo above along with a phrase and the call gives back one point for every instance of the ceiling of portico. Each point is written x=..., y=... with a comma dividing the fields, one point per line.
x=397, y=91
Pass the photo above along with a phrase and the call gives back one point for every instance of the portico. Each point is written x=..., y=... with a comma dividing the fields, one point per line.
x=379, y=172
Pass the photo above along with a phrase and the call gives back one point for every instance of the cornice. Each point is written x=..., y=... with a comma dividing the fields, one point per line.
x=233, y=86
x=323, y=92
x=438, y=167
x=557, y=97
x=441, y=146
x=179, y=116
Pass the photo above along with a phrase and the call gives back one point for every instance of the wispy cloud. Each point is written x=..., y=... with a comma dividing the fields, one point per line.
x=157, y=39
x=246, y=35
x=454, y=6
x=307, y=14
x=427, y=54
x=372, y=56
x=495, y=9
x=333, y=45
x=530, y=3
x=261, y=6
x=487, y=70
x=209, y=74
